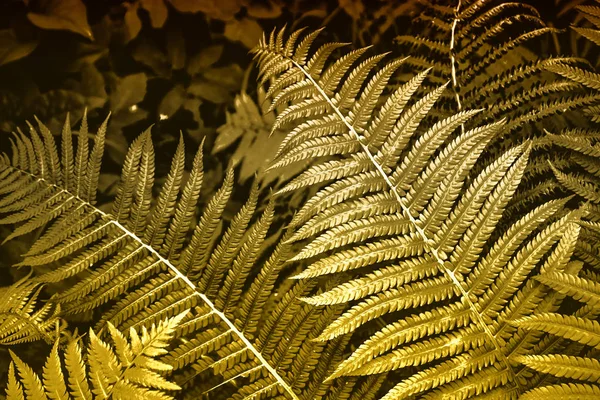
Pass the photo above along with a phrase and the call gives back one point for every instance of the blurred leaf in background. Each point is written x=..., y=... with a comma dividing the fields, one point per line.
x=70, y=15
x=193, y=79
x=126, y=93
x=248, y=130
x=12, y=48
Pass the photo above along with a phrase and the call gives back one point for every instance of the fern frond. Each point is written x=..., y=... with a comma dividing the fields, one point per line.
x=398, y=225
x=485, y=54
x=580, y=327
x=592, y=14
x=581, y=289
x=586, y=78
x=21, y=317
x=137, y=267
x=587, y=369
x=128, y=369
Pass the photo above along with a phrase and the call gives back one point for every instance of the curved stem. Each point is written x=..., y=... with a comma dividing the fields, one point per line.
x=429, y=243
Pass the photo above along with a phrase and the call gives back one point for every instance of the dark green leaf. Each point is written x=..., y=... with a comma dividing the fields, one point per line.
x=129, y=91
x=172, y=101
x=157, y=10
x=69, y=15
x=204, y=59
x=11, y=49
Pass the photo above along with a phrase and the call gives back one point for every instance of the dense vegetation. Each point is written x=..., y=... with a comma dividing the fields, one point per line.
x=404, y=209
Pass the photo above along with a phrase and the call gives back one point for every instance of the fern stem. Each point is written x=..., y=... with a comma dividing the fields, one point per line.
x=206, y=300
x=453, y=58
x=241, y=374
x=428, y=243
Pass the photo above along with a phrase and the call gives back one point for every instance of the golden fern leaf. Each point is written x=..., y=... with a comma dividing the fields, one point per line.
x=395, y=220
x=128, y=369
x=574, y=361
x=20, y=318
x=488, y=68
x=581, y=175
x=583, y=368
x=137, y=267
x=580, y=368
x=585, y=290
x=484, y=49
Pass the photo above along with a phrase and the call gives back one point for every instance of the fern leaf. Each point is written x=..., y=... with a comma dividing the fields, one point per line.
x=21, y=317
x=185, y=208
x=413, y=263
x=75, y=366
x=581, y=185
x=14, y=389
x=586, y=78
x=129, y=373
x=29, y=379
x=580, y=289
x=570, y=327
x=120, y=258
x=54, y=380
x=564, y=391
x=67, y=158
x=587, y=369
x=166, y=200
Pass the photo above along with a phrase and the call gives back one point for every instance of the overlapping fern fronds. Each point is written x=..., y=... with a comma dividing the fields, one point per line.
x=585, y=77
x=126, y=370
x=581, y=176
x=479, y=45
x=22, y=320
x=571, y=361
x=398, y=219
x=483, y=47
x=140, y=263
x=409, y=246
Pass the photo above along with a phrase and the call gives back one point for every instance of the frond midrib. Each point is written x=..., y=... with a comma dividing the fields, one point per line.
x=428, y=243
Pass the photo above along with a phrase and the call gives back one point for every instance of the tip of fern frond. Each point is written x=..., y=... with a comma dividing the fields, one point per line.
x=552, y=167
x=291, y=239
x=299, y=257
x=547, y=132
x=301, y=275
x=331, y=377
x=307, y=300
x=20, y=264
x=280, y=191
x=271, y=108
x=526, y=147
x=324, y=337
